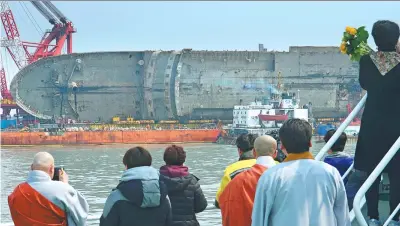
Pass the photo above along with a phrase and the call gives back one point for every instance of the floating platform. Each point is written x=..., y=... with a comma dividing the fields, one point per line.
x=110, y=137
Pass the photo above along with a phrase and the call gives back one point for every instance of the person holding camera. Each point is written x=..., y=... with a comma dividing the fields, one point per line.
x=47, y=194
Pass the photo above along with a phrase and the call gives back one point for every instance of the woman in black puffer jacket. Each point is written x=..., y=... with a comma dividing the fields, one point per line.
x=184, y=190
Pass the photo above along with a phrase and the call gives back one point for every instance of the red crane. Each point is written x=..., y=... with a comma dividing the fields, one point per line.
x=356, y=120
x=19, y=50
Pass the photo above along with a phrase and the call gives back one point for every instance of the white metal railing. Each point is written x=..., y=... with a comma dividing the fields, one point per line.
x=370, y=180
x=359, y=199
x=341, y=128
x=352, y=214
x=392, y=215
x=348, y=171
x=334, y=138
x=363, y=200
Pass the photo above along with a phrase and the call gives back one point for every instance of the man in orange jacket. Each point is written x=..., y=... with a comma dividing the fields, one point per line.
x=236, y=201
x=42, y=201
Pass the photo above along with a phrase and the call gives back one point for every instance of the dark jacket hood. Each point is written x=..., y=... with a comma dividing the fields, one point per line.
x=141, y=186
x=176, y=178
x=174, y=171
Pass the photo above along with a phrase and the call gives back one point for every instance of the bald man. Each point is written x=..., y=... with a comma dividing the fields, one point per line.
x=236, y=201
x=52, y=202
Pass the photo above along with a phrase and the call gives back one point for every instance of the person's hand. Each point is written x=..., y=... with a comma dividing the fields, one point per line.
x=63, y=176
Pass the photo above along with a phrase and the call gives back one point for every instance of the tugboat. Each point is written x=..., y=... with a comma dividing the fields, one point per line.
x=262, y=117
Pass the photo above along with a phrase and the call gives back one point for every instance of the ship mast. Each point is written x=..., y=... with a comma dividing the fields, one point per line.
x=279, y=84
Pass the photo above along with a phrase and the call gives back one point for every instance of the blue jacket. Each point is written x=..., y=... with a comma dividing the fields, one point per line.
x=140, y=199
x=341, y=161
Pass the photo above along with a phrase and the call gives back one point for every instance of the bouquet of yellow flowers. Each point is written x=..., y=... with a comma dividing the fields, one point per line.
x=354, y=43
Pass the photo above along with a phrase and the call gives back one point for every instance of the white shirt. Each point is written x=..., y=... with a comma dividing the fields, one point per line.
x=266, y=161
x=301, y=193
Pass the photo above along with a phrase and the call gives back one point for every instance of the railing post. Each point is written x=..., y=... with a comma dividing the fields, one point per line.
x=392, y=215
x=341, y=128
x=371, y=179
x=348, y=171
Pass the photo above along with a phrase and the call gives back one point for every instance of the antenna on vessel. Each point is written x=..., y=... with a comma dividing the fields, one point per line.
x=298, y=97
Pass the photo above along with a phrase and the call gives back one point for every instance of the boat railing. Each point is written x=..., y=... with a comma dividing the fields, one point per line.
x=370, y=180
x=359, y=200
x=348, y=171
x=363, y=200
x=341, y=128
x=336, y=136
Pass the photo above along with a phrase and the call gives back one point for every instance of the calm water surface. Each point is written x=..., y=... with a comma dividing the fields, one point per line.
x=95, y=170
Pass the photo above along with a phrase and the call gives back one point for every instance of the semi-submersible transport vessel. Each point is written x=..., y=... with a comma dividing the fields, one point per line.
x=182, y=85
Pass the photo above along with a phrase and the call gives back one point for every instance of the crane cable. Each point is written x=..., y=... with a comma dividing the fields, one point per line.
x=31, y=18
x=5, y=65
x=16, y=11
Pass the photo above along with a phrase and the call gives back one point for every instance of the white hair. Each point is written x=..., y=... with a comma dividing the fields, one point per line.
x=42, y=160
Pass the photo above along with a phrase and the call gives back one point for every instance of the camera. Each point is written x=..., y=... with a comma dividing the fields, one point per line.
x=57, y=171
x=280, y=155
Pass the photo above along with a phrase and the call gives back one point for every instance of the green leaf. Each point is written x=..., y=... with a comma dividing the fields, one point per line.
x=354, y=43
x=362, y=29
x=355, y=57
x=347, y=36
x=345, y=39
x=362, y=34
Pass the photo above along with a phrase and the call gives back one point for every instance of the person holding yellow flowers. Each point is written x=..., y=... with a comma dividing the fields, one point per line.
x=379, y=75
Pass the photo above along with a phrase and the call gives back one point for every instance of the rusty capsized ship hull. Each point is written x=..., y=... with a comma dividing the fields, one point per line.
x=110, y=137
x=163, y=85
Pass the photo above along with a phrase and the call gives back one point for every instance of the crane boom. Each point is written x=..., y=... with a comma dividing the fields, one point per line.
x=60, y=33
x=14, y=47
x=8, y=17
x=5, y=93
x=55, y=11
x=41, y=8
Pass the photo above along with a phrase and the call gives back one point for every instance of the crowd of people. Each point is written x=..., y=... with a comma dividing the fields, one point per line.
x=144, y=196
x=297, y=191
x=256, y=190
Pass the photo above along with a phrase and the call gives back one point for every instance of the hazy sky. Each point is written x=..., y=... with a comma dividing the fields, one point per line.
x=114, y=26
